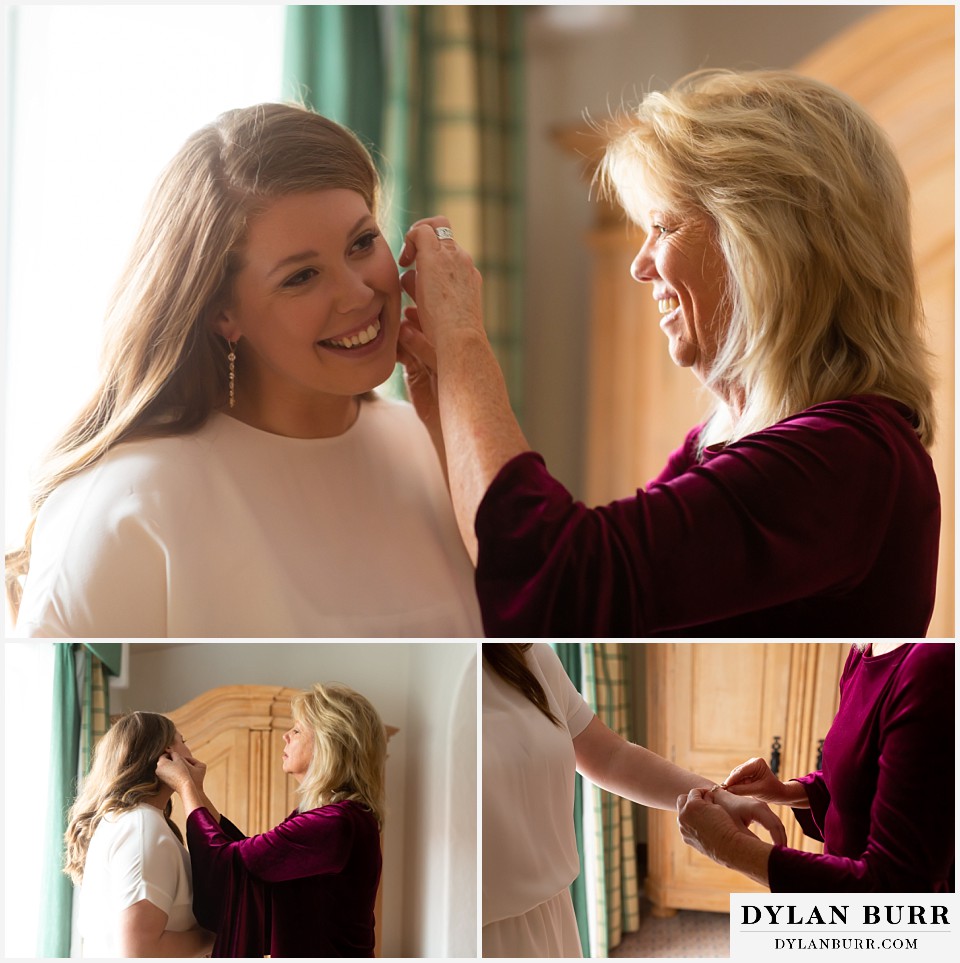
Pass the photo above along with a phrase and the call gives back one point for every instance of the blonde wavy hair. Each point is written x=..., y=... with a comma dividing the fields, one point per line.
x=349, y=748
x=122, y=775
x=163, y=369
x=811, y=213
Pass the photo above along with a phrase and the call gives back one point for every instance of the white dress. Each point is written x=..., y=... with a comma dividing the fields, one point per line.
x=529, y=847
x=132, y=856
x=235, y=532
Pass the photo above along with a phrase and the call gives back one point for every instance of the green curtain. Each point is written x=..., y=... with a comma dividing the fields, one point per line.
x=455, y=147
x=80, y=715
x=614, y=871
x=436, y=91
x=95, y=710
x=56, y=888
x=570, y=656
x=333, y=62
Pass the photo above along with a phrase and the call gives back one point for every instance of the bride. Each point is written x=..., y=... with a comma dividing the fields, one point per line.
x=126, y=855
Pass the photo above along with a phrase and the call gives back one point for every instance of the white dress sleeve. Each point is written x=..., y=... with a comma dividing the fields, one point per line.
x=573, y=707
x=133, y=856
x=144, y=864
x=98, y=565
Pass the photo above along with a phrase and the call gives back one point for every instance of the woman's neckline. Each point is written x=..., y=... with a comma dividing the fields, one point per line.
x=871, y=654
x=223, y=417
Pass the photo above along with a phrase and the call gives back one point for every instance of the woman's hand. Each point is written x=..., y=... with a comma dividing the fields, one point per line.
x=707, y=826
x=754, y=778
x=445, y=285
x=176, y=771
x=419, y=361
x=480, y=432
x=710, y=829
x=746, y=810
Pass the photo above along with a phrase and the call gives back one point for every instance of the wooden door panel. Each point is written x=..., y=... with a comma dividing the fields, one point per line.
x=237, y=731
x=730, y=705
x=711, y=706
x=226, y=755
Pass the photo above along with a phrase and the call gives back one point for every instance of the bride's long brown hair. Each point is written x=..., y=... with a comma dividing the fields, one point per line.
x=123, y=774
x=508, y=660
x=163, y=367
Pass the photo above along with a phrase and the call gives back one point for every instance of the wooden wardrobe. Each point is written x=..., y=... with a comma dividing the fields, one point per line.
x=711, y=706
x=238, y=732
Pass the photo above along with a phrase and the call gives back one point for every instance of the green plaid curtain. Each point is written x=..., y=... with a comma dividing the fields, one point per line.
x=614, y=870
x=95, y=710
x=436, y=91
x=455, y=146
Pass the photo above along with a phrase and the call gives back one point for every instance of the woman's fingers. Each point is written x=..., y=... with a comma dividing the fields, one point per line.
x=418, y=236
x=743, y=776
x=415, y=343
x=772, y=823
x=408, y=281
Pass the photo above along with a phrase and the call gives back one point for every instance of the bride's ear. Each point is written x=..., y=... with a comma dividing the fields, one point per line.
x=222, y=322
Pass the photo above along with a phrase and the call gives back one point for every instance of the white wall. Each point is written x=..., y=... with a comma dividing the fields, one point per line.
x=594, y=58
x=412, y=685
x=441, y=844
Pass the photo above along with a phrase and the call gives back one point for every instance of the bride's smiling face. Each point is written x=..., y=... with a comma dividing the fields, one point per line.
x=315, y=304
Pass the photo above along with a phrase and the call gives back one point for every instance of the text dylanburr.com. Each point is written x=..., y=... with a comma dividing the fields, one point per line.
x=784, y=926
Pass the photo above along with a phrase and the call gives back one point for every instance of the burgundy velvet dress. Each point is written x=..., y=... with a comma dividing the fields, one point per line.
x=825, y=525
x=306, y=888
x=883, y=803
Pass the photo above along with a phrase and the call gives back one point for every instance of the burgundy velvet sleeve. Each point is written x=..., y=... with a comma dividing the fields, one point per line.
x=681, y=460
x=797, y=510
x=910, y=842
x=811, y=820
x=226, y=899
x=229, y=830
x=306, y=844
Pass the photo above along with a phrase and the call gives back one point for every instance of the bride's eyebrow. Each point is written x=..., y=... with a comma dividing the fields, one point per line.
x=292, y=259
x=306, y=255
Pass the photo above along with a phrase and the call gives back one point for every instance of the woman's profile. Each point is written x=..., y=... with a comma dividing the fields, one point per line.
x=233, y=474
x=125, y=854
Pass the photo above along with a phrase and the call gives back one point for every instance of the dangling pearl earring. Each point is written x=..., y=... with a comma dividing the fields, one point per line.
x=232, y=375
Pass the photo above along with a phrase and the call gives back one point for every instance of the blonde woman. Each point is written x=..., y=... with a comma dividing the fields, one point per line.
x=126, y=855
x=308, y=887
x=233, y=475
x=778, y=249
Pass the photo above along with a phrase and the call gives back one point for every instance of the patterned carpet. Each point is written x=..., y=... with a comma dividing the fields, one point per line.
x=689, y=934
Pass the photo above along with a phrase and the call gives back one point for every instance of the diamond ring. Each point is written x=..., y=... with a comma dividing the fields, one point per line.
x=443, y=233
